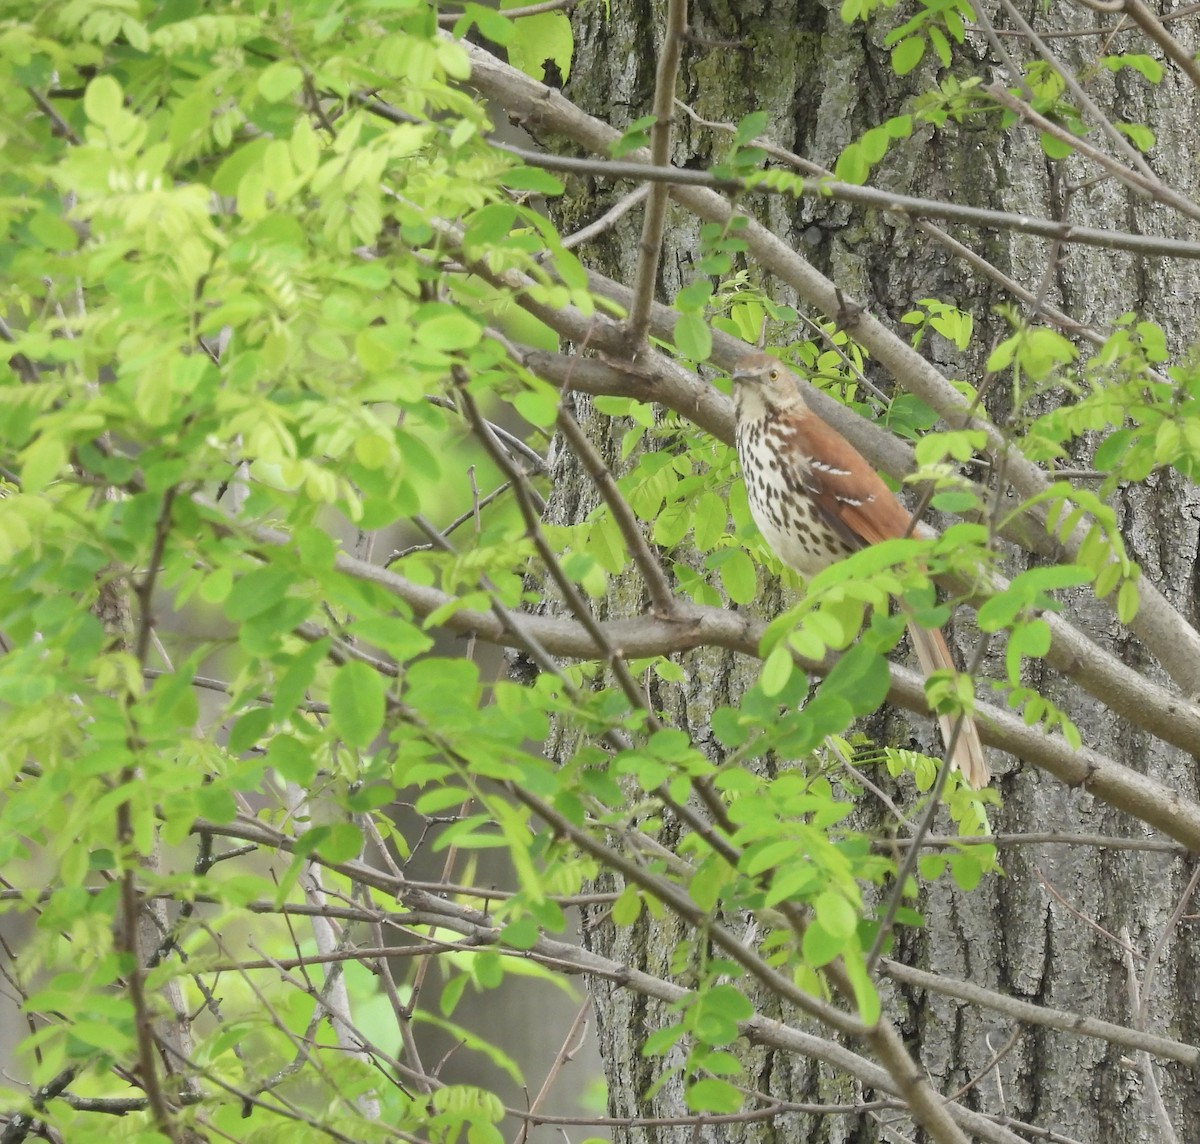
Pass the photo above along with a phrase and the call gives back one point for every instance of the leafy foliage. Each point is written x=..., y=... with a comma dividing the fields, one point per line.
x=271, y=296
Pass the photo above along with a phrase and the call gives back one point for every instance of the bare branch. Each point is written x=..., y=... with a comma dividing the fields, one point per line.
x=1040, y=1015
x=1150, y=23
x=682, y=178
x=655, y=221
x=662, y=599
x=1149, y=185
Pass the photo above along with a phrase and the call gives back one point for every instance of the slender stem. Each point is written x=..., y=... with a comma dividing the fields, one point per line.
x=662, y=598
x=905, y=204
x=1123, y=146
x=655, y=220
x=1153, y=26
x=1148, y=185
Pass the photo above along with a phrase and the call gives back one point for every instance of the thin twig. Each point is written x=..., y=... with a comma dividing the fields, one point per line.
x=51, y=113
x=1025, y=1011
x=655, y=220
x=1085, y=101
x=1091, y=923
x=1166, y=1130
x=681, y=177
x=567, y=1051
x=1141, y=1013
x=896, y=897
x=1148, y=185
x=662, y=598
x=608, y=219
x=449, y=19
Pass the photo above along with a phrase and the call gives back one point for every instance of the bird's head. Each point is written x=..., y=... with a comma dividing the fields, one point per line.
x=762, y=383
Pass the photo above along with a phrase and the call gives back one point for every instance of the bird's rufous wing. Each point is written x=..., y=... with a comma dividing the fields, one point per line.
x=850, y=496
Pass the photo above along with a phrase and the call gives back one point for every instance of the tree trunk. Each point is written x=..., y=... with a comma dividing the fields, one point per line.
x=1051, y=929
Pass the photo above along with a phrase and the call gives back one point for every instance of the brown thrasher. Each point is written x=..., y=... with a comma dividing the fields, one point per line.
x=815, y=499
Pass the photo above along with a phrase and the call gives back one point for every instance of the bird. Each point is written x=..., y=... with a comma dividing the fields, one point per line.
x=816, y=499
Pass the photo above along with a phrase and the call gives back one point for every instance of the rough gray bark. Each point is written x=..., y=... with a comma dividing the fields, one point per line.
x=1024, y=934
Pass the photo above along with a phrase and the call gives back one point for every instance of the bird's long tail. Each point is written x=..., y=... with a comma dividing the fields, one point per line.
x=968, y=755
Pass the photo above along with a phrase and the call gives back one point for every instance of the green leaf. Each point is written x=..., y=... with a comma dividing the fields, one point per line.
x=292, y=759
x=533, y=179
x=249, y=729
x=709, y=518
x=636, y=135
x=357, y=703
x=257, y=592
x=940, y=45
x=53, y=231
x=628, y=907
x=538, y=406
x=1138, y=134
x=907, y=54
x=1127, y=601
x=776, y=671
x=818, y=946
x=279, y=80
x=443, y=328
x=932, y=866
x=1055, y=148
x=852, y=166
x=729, y=1002
x=866, y=996
x=1147, y=66
x=874, y=144
x=339, y=842
x=738, y=577
x=713, y=1095
x=521, y=934
x=540, y=38
x=694, y=298
x=490, y=23
x=750, y=128
x=836, y=915
x=693, y=338
x=966, y=870
x=102, y=102
x=42, y=463
x=662, y=1041
x=861, y=677
x=452, y=993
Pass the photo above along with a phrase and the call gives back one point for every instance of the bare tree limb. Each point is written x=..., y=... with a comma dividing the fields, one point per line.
x=1032, y=1014
x=655, y=220
x=1150, y=23
x=1149, y=185
x=869, y=197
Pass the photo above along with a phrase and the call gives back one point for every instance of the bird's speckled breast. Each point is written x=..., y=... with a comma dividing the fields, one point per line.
x=782, y=508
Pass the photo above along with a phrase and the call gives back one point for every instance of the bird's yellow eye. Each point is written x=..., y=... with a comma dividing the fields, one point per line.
x=773, y=374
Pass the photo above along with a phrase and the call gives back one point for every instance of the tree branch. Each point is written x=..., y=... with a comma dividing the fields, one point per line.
x=655, y=219
x=868, y=197
x=1040, y=1015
